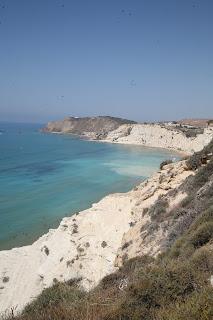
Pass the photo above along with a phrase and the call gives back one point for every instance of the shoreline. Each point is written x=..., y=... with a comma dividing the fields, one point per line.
x=179, y=153
x=85, y=245
x=182, y=154
x=82, y=137
x=140, y=180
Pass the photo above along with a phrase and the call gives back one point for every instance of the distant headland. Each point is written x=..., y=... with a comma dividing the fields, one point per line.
x=188, y=135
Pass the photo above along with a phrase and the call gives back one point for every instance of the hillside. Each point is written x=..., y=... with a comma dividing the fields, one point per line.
x=91, y=127
x=165, y=261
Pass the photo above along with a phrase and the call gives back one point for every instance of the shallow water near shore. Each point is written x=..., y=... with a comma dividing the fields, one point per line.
x=45, y=177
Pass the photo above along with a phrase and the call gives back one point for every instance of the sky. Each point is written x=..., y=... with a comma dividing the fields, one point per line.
x=144, y=60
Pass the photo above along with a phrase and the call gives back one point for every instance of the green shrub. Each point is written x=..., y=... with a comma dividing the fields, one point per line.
x=194, y=162
x=158, y=210
x=201, y=157
x=198, y=306
x=53, y=296
x=202, y=235
x=202, y=259
x=202, y=176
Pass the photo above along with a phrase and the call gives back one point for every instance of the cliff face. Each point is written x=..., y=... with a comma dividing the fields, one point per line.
x=91, y=127
x=115, y=130
x=147, y=235
x=168, y=208
x=161, y=136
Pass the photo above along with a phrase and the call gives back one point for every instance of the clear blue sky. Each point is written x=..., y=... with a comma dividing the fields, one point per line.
x=139, y=59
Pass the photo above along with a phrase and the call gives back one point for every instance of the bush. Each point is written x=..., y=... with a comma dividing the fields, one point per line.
x=202, y=235
x=201, y=157
x=202, y=176
x=202, y=259
x=198, y=306
x=158, y=210
x=197, y=235
x=57, y=294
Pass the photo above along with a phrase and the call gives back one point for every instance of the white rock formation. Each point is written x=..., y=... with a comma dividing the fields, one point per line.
x=155, y=135
x=84, y=245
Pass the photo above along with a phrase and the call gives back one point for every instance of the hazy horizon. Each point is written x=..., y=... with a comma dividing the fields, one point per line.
x=61, y=118
x=140, y=60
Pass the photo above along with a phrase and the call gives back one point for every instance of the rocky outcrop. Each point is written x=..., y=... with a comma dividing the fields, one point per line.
x=90, y=127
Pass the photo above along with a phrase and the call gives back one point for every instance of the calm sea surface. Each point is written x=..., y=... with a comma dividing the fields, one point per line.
x=44, y=177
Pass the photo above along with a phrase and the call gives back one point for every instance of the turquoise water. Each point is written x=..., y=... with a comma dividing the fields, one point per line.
x=44, y=177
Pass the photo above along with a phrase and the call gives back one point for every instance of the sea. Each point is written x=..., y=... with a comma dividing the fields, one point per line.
x=45, y=177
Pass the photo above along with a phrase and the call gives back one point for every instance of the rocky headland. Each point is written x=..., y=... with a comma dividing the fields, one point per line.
x=87, y=127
